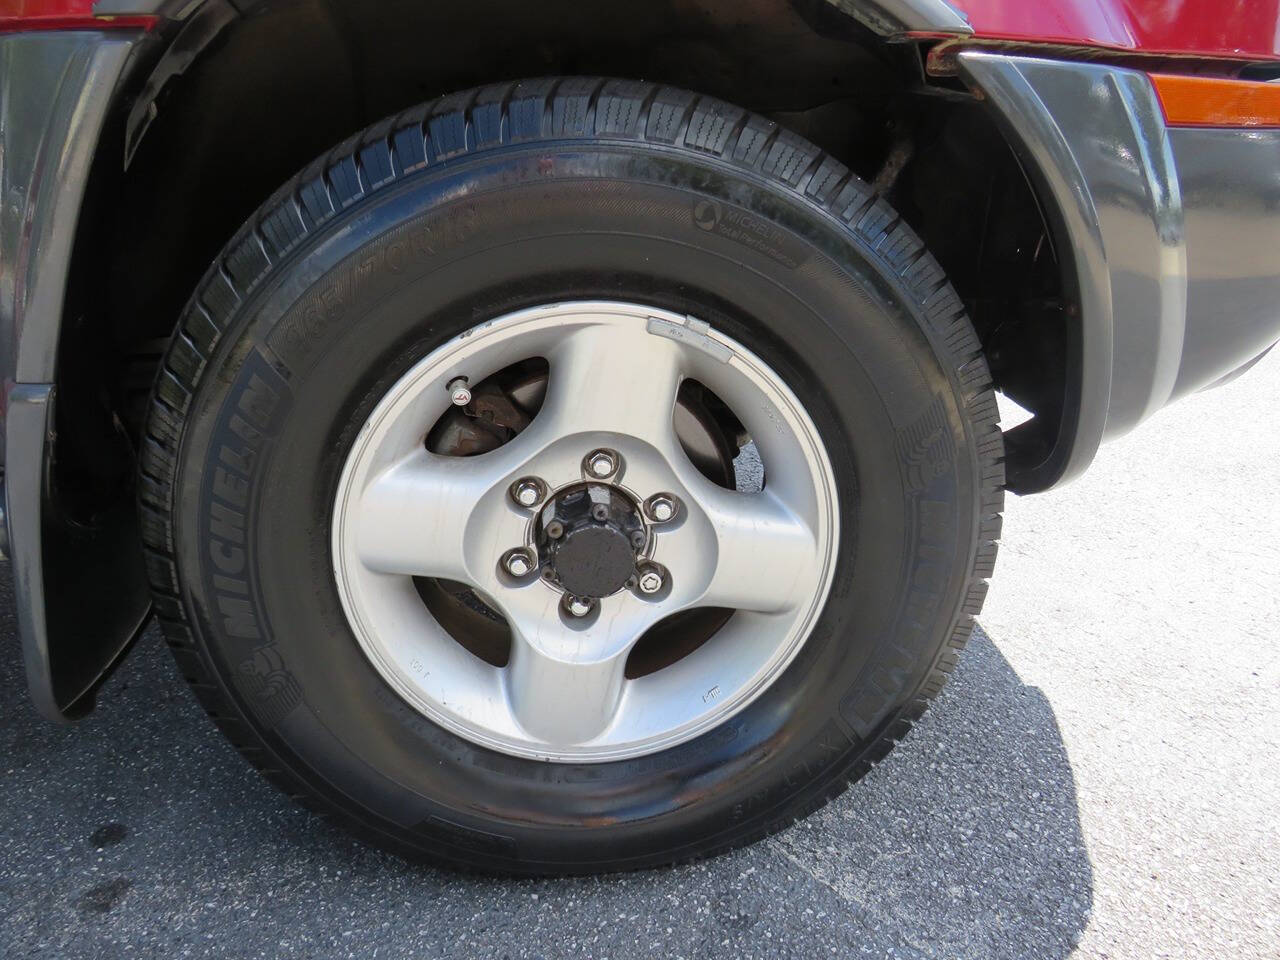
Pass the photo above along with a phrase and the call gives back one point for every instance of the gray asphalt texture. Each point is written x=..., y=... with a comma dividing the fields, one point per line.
x=1100, y=779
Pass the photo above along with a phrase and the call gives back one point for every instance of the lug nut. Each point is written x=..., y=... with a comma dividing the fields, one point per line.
x=578, y=606
x=518, y=563
x=602, y=464
x=662, y=507
x=650, y=581
x=527, y=492
x=459, y=392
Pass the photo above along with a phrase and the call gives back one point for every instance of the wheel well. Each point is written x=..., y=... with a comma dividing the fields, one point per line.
x=260, y=89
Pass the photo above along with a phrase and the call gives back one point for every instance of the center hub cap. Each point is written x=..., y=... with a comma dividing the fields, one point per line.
x=589, y=536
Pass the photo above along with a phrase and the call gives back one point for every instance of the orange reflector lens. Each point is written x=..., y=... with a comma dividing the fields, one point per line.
x=1214, y=102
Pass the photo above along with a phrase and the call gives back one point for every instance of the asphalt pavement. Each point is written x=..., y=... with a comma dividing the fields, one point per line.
x=1100, y=779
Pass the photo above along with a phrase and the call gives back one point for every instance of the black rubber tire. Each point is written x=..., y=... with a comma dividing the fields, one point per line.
x=510, y=196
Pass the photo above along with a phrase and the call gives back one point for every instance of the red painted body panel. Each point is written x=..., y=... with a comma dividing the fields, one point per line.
x=1245, y=29
x=60, y=15
x=44, y=9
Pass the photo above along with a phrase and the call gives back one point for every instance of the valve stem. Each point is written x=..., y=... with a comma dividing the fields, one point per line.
x=459, y=392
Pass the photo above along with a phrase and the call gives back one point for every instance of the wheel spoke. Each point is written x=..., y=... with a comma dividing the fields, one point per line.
x=420, y=516
x=564, y=684
x=765, y=555
x=563, y=701
x=621, y=381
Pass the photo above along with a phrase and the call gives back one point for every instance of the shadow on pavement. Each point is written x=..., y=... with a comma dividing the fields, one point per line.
x=138, y=832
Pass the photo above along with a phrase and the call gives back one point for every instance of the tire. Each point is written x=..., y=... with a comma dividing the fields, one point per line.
x=499, y=200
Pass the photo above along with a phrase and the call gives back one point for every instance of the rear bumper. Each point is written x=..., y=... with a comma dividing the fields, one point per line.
x=1171, y=235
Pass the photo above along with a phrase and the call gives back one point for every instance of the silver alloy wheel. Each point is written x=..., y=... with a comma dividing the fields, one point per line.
x=403, y=512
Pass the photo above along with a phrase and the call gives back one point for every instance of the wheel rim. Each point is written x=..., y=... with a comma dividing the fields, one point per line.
x=403, y=512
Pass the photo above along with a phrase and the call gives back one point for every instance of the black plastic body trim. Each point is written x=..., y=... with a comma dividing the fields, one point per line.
x=1172, y=237
x=81, y=595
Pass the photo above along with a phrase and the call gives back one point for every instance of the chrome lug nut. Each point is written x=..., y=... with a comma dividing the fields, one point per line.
x=661, y=507
x=459, y=392
x=602, y=464
x=650, y=581
x=527, y=492
x=578, y=606
x=518, y=563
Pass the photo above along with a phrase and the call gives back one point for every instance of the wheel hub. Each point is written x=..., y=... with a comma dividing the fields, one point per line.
x=589, y=537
